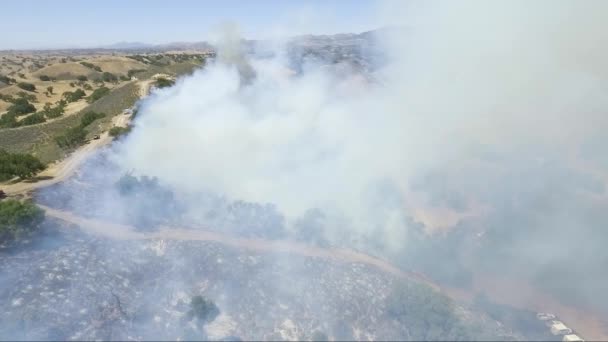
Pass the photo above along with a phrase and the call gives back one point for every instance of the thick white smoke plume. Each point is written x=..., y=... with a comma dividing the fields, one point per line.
x=506, y=75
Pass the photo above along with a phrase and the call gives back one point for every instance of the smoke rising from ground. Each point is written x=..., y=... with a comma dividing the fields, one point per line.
x=493, y=110
x=508, y=75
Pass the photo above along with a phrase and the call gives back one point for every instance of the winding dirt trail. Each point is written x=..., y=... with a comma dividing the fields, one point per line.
x=501, y=290
x=125, y=232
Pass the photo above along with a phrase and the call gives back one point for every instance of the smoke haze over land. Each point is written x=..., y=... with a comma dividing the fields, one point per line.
x=494, y=109
x=473, y=146
x=507, y=77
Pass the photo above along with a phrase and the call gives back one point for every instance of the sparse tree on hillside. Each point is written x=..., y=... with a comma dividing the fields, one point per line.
x=26, y=86
x=18, y=219
x=17, y=164
x=73, y=96
x=109, y=77
x=49, y=89
x=162, y=82
x=203, y=309
x=97, y=94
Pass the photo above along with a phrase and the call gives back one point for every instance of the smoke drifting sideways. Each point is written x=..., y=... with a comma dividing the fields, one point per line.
x=509, y=77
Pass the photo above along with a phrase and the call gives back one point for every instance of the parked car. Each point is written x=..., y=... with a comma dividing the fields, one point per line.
x=543, y=316
x=572, y=338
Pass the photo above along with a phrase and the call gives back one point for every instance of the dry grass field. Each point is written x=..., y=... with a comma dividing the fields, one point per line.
x=65, y=74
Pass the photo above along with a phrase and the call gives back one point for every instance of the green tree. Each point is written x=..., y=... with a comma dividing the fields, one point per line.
x=27, y=96
x=91, y=66
x=203, y=309
x=45, y=78
x=18, y=165
x=428, y=314
x=73, y=96
x=54, y=112
x=97, y=94
x=162, y=82
x=7, y=80
x=33, y=119
x=26, y=86
x=119, y=131
x=49, y=89
x=72, y=137
x=109, y=77
x=89, y=117
x=21, y=106
x=18, y=219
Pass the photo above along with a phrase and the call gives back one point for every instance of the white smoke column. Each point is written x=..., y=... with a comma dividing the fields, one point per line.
x=506, y=74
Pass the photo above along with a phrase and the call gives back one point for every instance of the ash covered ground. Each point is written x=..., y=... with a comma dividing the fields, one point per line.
x=67, y=284
x=81, y=287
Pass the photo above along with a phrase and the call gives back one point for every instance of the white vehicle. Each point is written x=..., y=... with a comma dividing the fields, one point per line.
x=560, y=329
x=572, y=338
x=543, y=316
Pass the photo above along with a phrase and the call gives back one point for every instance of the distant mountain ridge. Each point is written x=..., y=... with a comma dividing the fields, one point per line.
x=342, y=39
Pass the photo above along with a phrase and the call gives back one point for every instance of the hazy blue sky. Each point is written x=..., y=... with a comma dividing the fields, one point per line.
x=73, y=23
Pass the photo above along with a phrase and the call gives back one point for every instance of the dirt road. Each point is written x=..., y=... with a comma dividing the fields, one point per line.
x=124, y=232
x=502, y=291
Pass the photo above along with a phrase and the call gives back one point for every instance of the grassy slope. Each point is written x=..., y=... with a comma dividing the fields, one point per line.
x=39, y=139
x=177, y=69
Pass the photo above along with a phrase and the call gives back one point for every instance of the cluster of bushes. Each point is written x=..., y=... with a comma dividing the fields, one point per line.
x=139, y=58
x=182, y=57
x=18, y=165
x=27, y=96
x=26, y=86
x=18, y=220
x=89, y=117
x=73, y=96
x=431, y=316
x=132, y=72
x=19, y=107
x=46, y=78
x=82, y=78
x=116, y=131
x=7, y=80
x=152, y=203
x=109, y=77
x=75, y=136
x=54, y=112
x=33, y=119
x=203, y=309
x=150, y=59
x=162, y=82
x=22, y=107
x=91, y=66
x=7, y=97
x=97, y=94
